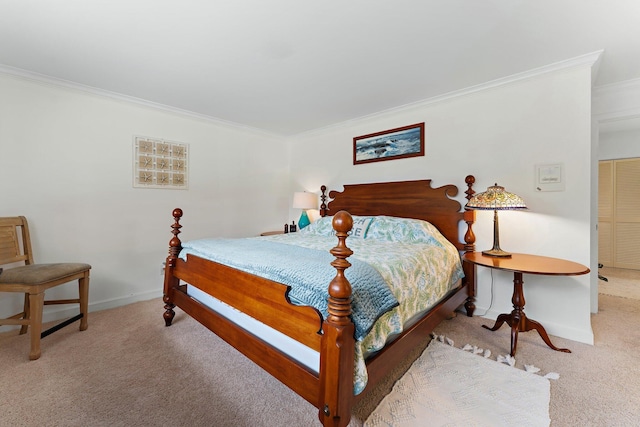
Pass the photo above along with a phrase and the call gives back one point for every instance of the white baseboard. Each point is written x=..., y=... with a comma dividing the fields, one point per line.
x=51, y=314
x=552, y=328
x=119, y=302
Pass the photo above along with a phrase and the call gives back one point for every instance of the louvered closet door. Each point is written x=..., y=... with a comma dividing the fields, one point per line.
x=626, y=251
x=605, y=213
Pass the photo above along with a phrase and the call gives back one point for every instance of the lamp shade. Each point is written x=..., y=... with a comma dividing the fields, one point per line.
x=496, y=199
x=304, y=200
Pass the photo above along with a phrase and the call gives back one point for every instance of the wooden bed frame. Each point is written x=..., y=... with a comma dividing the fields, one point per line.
x=331, y=391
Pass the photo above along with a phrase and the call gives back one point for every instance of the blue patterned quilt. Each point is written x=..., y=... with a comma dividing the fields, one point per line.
x=307, y=271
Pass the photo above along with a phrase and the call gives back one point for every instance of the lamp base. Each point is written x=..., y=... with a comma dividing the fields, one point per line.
x=304, y=220
x=497, y=252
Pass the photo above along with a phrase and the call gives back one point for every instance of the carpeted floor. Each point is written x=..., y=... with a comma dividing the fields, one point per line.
x=620, y=282
x=128, y=369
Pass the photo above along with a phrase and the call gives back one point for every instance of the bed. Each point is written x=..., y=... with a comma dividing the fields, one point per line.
x=263, y=319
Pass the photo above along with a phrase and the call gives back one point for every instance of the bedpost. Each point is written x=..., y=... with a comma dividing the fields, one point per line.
x=170, y=282
x=323, y=201
x=469, y=246
x=338, y=342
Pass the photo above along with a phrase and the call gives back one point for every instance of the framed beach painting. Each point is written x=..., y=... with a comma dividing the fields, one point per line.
x=398, y=143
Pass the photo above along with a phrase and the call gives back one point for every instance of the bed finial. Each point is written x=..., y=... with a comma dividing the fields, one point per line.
x=469, y=216
x=469, y=246
x=340, y=288
x=470, y=180
x=338, y=343
x=175, y=246
x=323, y=200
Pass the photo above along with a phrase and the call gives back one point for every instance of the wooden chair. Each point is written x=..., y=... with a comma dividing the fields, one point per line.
x=21, y=274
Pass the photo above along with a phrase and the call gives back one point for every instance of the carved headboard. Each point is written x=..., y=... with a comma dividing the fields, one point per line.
x=408, y=199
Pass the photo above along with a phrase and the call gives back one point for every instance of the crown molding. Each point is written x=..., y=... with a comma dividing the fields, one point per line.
x=616, y=101
x=623, y=86
x=54, y=81
x=590, y=59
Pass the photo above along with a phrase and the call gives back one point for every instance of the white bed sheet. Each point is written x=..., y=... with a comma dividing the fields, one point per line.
x=294, y=349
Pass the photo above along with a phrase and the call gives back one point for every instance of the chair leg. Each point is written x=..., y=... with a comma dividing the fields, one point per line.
x=83, y=289
x=25, y=311
x=36, y=303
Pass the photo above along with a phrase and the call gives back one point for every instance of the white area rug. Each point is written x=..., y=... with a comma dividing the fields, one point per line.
x=449, y=387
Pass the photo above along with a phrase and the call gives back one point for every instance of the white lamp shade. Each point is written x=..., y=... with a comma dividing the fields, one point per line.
x=304, y=200
x=313, y=214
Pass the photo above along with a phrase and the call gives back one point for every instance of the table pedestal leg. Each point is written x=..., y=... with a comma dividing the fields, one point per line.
x=518, y=321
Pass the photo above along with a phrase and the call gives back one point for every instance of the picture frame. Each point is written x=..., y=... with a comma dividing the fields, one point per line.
x=160, y=163
x=397, y=143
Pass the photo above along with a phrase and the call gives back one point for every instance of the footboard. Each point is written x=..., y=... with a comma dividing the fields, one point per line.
x=330, y=390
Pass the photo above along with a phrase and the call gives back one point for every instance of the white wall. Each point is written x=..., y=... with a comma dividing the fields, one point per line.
x=619, y=145
x=498, y=135
x=66, y=164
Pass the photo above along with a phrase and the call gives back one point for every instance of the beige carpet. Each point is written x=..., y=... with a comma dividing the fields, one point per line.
x=128, y=369
x=620, y=282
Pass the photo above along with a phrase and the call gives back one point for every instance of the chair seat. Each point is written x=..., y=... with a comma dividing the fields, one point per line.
x=23, y=275
x=37, y=274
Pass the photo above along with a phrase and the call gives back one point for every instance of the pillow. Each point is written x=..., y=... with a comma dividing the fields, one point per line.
x=320, y=227
x=394, y=229
x=324, y=227
x=386, y=228
x=360, y=226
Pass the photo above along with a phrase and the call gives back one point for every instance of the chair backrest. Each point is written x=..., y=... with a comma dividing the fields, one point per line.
x=15, y=242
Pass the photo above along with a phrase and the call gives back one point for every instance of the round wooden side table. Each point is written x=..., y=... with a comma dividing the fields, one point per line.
x=520, y=264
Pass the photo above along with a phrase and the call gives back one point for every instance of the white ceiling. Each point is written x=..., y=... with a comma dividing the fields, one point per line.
x=289, y=66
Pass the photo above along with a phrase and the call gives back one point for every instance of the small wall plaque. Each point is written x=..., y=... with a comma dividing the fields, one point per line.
x=550, y=177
